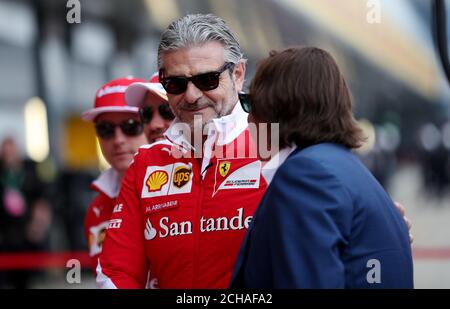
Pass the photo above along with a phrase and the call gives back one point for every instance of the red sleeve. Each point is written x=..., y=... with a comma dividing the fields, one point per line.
x=123, y=262
x=89, y=221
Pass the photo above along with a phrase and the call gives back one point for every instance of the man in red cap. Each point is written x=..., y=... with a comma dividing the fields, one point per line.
x=120, y=130
x=120, y=127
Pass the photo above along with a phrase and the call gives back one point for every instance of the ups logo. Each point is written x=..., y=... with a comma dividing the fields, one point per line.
x=181, y=176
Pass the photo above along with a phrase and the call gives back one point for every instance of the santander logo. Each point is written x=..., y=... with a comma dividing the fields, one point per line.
x=149, y=232
x=168, y=228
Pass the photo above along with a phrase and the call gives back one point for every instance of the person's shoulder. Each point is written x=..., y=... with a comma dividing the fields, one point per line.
x=324, y=155
x=153, y=151
x=320, y=160
x=309, y=156
x=314, y=172
x=102, y=200
x=156, y=145
x=99, y=209
x=322, y=151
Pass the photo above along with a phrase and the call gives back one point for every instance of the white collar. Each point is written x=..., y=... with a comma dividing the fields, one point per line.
x=108, y=183
x=269, y=170
x=221, y=131
x=230, y=126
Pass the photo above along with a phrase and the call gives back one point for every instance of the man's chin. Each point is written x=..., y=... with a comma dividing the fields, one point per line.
x=203, y=116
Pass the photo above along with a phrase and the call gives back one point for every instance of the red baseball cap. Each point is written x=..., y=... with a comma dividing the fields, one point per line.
x=111, y=98
x=136, y=92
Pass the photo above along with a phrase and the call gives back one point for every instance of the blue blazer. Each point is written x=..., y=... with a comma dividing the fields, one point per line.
x=325, y=222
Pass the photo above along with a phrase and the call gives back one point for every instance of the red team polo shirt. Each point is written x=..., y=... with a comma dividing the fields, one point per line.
x=184, y=218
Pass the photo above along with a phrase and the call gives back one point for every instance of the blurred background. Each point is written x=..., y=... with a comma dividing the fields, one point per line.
x=50, y=70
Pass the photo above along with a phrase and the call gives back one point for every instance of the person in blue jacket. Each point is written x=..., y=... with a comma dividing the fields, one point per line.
x=324, y=221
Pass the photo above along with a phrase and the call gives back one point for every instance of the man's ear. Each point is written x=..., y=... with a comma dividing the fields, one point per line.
x=239, y=74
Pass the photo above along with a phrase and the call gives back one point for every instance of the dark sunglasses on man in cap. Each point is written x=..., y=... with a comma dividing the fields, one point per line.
x=130, y=127
x=163, y=110
x=244, y=98
x=204, y=82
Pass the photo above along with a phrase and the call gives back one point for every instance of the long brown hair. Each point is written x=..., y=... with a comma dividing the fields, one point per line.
x=303, y=90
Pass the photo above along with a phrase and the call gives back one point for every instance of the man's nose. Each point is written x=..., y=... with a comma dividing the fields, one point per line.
x=192, y=93
x=119, y=136
x=157, y=122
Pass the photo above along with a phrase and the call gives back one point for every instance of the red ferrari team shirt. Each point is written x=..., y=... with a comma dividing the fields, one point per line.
x=181, y=217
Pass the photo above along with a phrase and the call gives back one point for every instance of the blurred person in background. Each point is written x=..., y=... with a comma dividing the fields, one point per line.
x=120, y=129
x=25, y=213
x=435, y=168
x=324, y=220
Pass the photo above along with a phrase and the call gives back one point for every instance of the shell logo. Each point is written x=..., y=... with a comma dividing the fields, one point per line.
x=156, y=180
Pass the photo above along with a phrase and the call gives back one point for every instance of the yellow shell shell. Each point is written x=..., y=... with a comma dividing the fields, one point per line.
x=156, y=180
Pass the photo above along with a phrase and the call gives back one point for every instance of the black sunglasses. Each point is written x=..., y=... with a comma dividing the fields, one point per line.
x=163, y=110
x=130, y=127
x=204, y=82
x=244, y=98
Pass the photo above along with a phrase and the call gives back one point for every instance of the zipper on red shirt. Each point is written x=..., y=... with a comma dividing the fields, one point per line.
x=196, y=225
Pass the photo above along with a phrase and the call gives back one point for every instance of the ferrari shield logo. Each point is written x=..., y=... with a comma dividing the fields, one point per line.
x=224, y=168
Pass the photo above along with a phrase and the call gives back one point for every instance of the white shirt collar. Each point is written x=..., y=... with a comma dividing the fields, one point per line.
x=108, y=183
x=269, y=170
x=230, y=126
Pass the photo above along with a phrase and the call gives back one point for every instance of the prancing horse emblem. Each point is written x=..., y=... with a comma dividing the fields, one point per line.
x=224, y=168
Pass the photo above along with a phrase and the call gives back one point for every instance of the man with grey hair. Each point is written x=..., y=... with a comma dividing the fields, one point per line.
x=217, y=49
x=183, y=210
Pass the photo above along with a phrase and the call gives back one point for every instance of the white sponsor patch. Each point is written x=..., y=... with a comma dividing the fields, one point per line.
x=246, y=177
x=170, y=228
x=114, y=223
x=96, y=237
x=118, y=208
x=167, y=180
x=161, y=206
